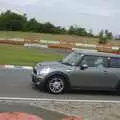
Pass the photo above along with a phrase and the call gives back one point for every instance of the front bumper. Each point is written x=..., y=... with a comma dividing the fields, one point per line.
x=37, y=80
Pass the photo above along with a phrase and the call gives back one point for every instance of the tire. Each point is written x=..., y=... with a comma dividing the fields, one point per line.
x=118, y=89
x=56, y=84
x=118, y=92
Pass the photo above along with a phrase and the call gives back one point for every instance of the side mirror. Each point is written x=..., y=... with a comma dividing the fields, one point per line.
x=84, y=66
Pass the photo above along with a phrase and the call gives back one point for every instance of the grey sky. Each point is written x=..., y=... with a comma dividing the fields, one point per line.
x=94, y=14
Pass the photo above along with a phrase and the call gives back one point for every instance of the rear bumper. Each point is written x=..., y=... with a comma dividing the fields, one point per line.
x=38, y=80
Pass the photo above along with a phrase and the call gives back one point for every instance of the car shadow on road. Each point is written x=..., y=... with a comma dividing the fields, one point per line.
x=91, y=92
x=82, y=92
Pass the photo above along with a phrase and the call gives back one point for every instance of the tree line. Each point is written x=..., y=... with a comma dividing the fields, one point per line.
x=10, y=21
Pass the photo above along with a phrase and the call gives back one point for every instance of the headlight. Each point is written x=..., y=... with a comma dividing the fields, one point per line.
x=44, y=71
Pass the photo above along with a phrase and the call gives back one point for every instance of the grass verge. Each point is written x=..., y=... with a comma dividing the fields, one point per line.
x=19, y=55
x=84, y=40
x=47, y=36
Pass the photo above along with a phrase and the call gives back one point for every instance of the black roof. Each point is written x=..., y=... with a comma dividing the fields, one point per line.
x=89, y=52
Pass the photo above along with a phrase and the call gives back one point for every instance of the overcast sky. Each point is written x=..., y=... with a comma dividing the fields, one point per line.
x=91, y=14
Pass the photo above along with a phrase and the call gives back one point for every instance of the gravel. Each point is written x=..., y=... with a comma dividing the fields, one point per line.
x=86, y=110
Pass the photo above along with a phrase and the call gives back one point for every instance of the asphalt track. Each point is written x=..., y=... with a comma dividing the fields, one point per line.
x=54, y=51
x=17, y=83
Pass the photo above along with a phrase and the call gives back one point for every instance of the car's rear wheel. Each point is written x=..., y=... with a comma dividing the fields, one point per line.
x=118, y=89
x=56, y=84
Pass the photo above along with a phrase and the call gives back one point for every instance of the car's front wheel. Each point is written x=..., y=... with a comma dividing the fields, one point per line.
x=56, y=84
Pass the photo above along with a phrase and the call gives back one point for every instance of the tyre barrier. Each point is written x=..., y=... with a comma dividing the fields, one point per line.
x=63, y=46
x=11, y=42
x=32, y=42
x=118, y=52
x=102, y=48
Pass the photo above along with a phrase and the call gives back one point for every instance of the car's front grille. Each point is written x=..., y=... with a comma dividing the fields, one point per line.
x=34, y=71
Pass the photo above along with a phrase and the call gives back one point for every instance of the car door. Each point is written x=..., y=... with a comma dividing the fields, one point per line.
x=93, y=76
x=113, y=72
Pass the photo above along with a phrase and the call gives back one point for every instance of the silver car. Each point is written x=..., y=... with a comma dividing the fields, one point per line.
x=86, y=70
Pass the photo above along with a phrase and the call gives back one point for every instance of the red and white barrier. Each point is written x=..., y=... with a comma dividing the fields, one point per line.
x=16, y=67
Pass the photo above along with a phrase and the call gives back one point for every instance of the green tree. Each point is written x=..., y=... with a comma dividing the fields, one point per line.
x=79, y=31
x=108, y=34
x=71, y=30
x=48, y=28
x=32, y=25
x=12, y=21
x=102, y=38
x=90, y=33
x=16, y=22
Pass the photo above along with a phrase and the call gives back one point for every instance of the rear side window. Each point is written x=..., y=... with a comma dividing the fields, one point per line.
x=115, y=62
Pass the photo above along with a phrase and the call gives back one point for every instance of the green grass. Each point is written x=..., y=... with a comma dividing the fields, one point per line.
x=11, y=34
x=87, y=40
x=18, y=55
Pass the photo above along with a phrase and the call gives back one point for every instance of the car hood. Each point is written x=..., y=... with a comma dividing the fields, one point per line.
x=53, y=65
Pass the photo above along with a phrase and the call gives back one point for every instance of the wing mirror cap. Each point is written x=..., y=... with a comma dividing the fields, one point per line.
x=84, y=66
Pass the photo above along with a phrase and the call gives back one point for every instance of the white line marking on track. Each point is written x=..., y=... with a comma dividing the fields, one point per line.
x=56, y=100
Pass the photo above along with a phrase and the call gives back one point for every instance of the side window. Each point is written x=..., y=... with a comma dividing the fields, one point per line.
x=93, y=61
x=115, y=62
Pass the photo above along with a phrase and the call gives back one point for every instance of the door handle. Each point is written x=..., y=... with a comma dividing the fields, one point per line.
x=105, y=72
